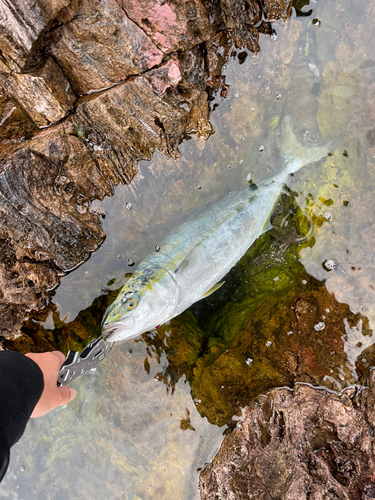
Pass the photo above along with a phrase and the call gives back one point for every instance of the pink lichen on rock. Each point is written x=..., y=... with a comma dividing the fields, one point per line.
x=174, y=73
x=171, y=26
x=165, y=77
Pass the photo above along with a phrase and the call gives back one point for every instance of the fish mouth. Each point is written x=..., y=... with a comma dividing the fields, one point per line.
x=124, y=324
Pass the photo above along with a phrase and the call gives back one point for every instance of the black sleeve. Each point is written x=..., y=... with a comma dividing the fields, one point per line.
x=21, y=385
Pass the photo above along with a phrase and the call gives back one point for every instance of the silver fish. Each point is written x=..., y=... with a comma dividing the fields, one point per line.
x=194, y=258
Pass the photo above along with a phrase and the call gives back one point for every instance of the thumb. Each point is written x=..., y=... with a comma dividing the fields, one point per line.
x=66, y=394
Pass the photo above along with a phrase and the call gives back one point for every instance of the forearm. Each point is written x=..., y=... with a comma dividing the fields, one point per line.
x=21, y=386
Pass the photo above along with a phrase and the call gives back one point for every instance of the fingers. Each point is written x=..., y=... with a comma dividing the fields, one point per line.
x=53, y=396
x=60, y=356
x=65, y=395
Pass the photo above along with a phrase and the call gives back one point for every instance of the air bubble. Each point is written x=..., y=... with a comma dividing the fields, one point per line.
x=328, y=216
x=278, y=96
x=319, y=326
x=157, y=248
x=329, y=265
x=261, y=148
x=128, y=205
x=130, y=262
x=22, y=468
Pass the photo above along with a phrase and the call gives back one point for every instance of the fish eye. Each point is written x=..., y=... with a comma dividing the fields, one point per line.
x=131, y=304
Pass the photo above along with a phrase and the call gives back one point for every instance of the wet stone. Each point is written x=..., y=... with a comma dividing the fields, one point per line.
x=45, y=94
x=107, y=52
x=22, y=23
x=298, y=444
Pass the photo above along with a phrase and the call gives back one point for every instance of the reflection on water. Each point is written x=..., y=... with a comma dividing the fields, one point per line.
x=298, y=306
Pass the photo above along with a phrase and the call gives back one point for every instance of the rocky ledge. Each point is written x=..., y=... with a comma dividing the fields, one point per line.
x=300, y=444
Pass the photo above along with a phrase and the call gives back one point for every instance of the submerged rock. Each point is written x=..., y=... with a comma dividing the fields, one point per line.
x=298, y=444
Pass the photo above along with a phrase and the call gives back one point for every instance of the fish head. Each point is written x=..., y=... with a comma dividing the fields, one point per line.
x=149, y=298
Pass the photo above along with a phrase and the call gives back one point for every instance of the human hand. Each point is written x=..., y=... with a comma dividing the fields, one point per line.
x=52, y=396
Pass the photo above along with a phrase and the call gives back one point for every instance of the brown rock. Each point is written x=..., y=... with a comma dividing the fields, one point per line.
x=129, y=122
x=305, y=443
x=46, y=228
x=44, y=213
x=101, y=46
x=15, y=125
x=22, y=23
x=276, y=9
x=22, y=287
x=45, y=93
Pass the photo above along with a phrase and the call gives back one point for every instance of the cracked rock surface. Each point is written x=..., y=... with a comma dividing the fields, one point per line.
x=305, y=443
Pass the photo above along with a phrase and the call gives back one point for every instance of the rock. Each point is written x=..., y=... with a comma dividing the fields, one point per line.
x=15, y=124
x=22, y=24
x=23, y=286
x=129, y=122
x=101, y=46
x=276, y=9
x=46, y=228
x=43, y=201
x=298, y=444
x=172, y=26
x=45, y=94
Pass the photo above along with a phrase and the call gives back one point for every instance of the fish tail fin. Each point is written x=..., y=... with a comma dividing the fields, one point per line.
x=296, y=155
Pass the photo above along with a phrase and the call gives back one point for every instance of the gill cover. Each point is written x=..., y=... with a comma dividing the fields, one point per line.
x=148, y=298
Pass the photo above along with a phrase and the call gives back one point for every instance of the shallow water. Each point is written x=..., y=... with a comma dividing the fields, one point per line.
x=145, y=422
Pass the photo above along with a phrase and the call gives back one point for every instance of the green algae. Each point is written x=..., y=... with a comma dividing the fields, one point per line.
x=81, y=131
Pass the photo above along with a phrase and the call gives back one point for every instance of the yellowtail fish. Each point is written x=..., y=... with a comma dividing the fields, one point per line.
x=195, y=257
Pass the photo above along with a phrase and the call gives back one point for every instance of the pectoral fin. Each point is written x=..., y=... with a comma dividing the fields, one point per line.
x=213, y=289
x=190, y=261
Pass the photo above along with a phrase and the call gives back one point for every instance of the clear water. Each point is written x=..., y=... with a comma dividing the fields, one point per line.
x=134, y=430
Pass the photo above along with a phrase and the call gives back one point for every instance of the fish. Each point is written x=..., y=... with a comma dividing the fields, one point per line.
x=193, y=259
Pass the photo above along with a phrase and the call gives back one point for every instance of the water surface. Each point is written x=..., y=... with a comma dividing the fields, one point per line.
x=302, y=298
